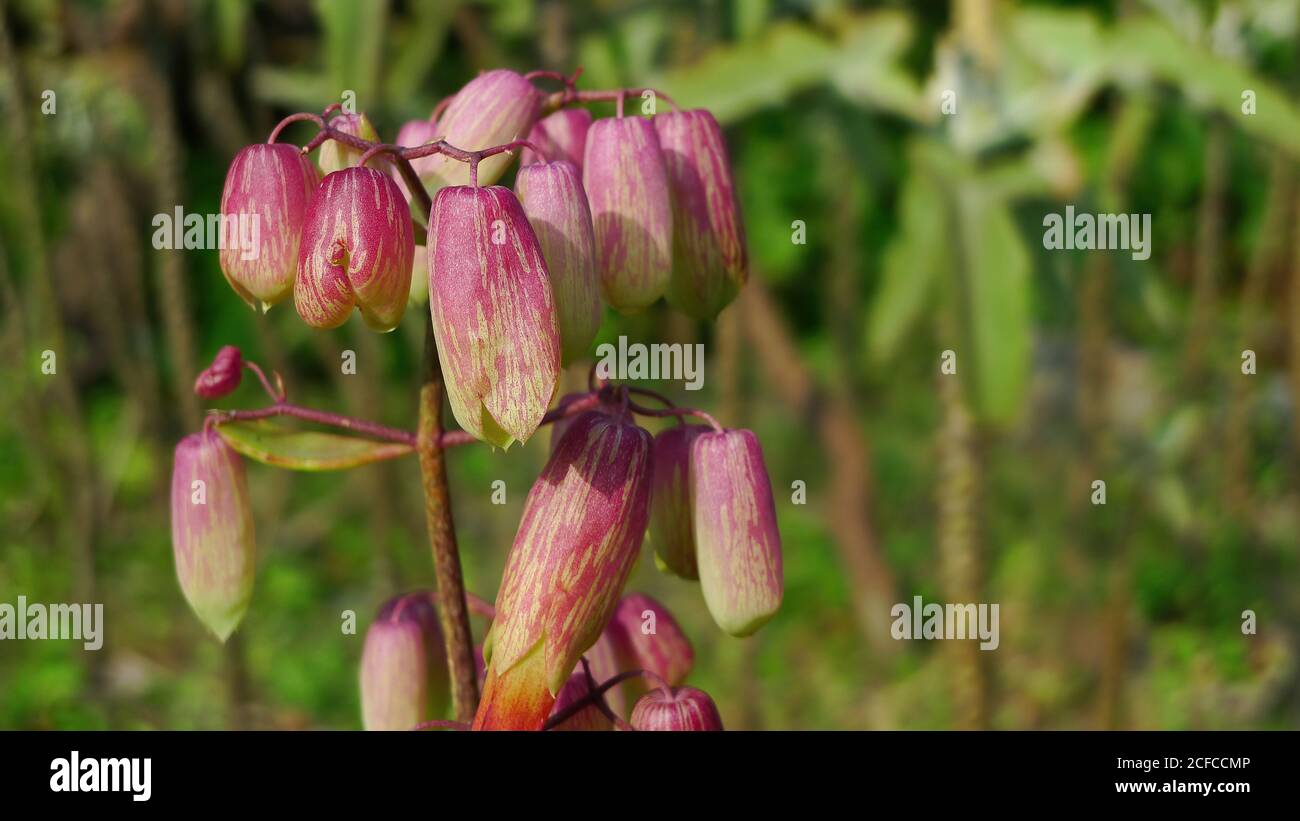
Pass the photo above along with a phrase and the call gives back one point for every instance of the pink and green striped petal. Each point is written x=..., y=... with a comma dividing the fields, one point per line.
x=493, y=313
x=709, y=257
x=737, y=544
x=357, y=249
x=626, y=181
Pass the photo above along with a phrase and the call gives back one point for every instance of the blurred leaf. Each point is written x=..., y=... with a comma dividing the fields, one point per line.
x=274, y=444
x=995, y=284
x=231, y=21
x=1144, y=49
x=911, y=263
x=417, y=48
x=354, y=36
x=749, y=16
x=1209, y=80
x=871, y=71
x=293, y=88
x=739, y=78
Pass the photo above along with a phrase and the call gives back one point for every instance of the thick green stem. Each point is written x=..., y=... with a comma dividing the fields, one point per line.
x=453, y=608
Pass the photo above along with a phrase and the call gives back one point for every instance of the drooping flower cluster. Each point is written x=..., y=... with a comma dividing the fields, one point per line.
x=403, y=665
x=624, y=209
x=582, y=528
x=618, y=211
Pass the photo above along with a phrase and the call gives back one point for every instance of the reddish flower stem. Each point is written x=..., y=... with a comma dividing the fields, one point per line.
x=276, y=396
x=447, y=439
x=568, y=97
x=652, y=394
x=361, y=426
x=644, y=411
x=587, y=700
x=453, y=609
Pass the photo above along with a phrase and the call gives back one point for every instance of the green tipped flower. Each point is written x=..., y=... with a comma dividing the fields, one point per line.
x=494, y=108
x=737, y=543
x=578, y=539
x=672, y=528
x=493, y=313
x=334, y=155
x=269, y=187
x=404, y=678
x=626, y=181
x=709, y=261
x=552, y=197
x=212, y=531
x=357, y=250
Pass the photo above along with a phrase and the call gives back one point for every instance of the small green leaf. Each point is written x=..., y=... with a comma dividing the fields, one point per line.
x=911, y=265
x=272, y=443
x=996, y=285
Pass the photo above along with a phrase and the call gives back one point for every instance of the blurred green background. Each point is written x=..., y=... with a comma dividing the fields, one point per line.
x=923, y=233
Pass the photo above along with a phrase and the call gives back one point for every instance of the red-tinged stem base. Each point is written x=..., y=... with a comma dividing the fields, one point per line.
x=519, y=698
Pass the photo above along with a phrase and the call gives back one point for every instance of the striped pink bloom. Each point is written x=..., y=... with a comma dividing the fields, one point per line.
x=493, y=313
x=552, y=197
x=647, y=637
x=589, y=718
x=684, y=709
x=413, y=134
x=334, y=155
x=672, y=529
x=709, y=259
x=494, y=108
x=559, y=136
x=212, y=531
x=404, y=677
x=737, y=543
x=606, y=662
x=627, y=185
x=559, y=426
x=579, y=537
x=273, y=184
x=357, y=248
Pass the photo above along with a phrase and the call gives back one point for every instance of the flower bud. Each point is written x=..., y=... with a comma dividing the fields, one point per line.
x=709, y=259
x=404, y=678
x=579, y=537
x=222, y=376
x=627, y=185
x=212, y=531
x=494, y=108
x=357, y=249
x=737, y=544
x=672, y=530
x=684, y=709
x=493, y=313
x=607, y=661
x=413, y=134
x=269, y=188
x=334, y=155
x=559, y=136
x=647, y=637
x=559, y=426
x=589, y=718
x=419, y=293
x=551, y=195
